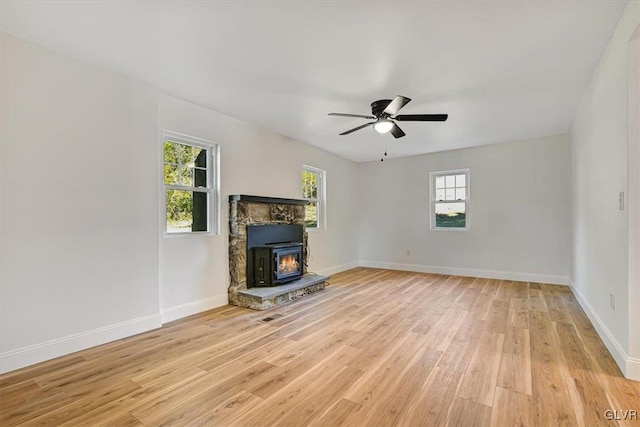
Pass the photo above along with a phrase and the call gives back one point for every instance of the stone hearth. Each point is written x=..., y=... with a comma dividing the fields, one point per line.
x=266, y=297
x=255, y=210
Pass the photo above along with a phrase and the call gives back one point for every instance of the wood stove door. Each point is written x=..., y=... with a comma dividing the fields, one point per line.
x=287, y=264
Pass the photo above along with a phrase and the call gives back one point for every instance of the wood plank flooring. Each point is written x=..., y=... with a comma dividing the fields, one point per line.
x=377, y=347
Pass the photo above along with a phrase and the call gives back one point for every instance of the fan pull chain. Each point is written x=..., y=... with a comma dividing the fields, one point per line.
x=383, y=142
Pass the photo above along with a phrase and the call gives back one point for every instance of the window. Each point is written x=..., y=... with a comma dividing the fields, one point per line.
x=450, y=200
x=190, y=196
x=313, y=189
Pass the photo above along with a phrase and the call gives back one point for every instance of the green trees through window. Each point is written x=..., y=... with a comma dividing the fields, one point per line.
x=450, y=199
x=187, y=179
x=312, y=190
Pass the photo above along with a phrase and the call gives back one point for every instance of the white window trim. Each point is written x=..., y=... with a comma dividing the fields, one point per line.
x=322, y=199
x=213, y=166
x=432, y=200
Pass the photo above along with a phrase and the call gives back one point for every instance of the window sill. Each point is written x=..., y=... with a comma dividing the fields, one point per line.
x=449, y=229
x=191, y=233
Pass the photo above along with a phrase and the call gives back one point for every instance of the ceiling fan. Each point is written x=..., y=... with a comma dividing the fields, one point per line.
x=385, y=110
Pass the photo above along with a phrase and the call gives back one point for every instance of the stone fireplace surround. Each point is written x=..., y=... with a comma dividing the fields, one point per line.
x=257, y=210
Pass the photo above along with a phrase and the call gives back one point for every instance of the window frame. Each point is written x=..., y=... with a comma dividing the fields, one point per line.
x=433, y=201
x=212, y=188
x=321, y=200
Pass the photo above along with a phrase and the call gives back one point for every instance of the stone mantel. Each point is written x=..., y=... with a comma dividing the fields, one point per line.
x=263, y=199
x=247, y=210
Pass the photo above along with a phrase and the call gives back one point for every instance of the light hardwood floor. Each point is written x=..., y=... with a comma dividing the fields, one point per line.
x=377, y=347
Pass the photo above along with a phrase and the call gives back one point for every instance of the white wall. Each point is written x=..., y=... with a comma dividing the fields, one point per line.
x=633, y=163
x=520, y=212
x=83, y=258
x=599, y=163
x=194, y=269
x=79, y=215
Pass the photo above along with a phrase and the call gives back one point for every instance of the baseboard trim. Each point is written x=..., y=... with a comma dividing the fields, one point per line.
x=336, y=269
x=629, y=366
x=27, y=356
x=470, y=272
x=193, y=307
x=633, y=368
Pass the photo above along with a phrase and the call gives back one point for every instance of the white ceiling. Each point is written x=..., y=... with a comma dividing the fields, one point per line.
x=502, y=70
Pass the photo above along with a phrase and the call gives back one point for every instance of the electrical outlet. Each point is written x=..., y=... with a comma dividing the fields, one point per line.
x=621, y=200
x=612, y=301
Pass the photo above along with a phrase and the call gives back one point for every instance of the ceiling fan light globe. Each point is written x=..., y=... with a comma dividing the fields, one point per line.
x=383, y=126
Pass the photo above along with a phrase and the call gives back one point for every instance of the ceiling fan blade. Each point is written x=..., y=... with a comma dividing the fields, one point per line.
x=421, y=117
x=360, y=116
x=358, y=128
x=395, y=105
x=396, y=131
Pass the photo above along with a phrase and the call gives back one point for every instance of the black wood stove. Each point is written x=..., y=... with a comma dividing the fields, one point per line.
x=274, y=254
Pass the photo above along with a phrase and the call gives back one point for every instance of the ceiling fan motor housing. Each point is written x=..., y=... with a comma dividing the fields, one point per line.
x=377, y=107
